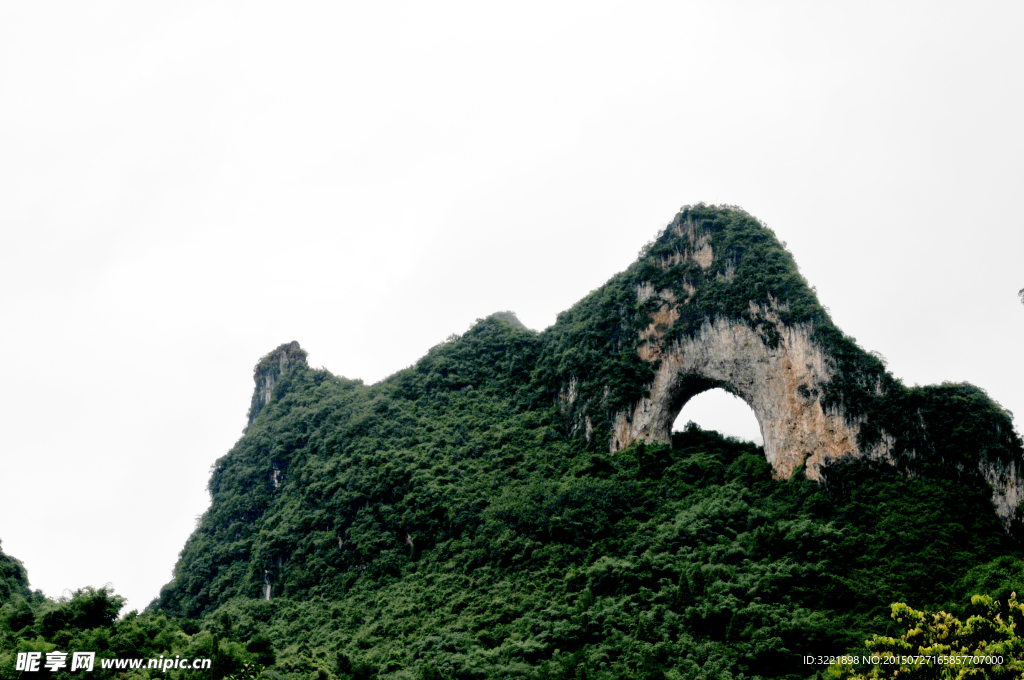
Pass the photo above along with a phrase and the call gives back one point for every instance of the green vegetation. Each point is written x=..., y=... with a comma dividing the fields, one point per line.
x=656, y=562
x=454, y=521
x=442, y=523
x=13, y=580
x=987, y=645
x=88, y=621
x=595, y=343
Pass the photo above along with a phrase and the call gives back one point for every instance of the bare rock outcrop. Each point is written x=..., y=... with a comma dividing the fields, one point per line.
x=717, y=301
x=268, y=371
x=782, y=385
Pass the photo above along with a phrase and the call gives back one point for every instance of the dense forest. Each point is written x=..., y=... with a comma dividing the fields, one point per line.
x=453, y=522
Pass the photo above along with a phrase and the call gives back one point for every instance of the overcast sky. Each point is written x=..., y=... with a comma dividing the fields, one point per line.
x=185, y=186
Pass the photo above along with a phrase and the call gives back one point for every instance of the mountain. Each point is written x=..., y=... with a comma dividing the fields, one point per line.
x=516, y=505
x=13, y=579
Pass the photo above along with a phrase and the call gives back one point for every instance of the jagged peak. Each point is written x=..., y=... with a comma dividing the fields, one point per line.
x=267, y=371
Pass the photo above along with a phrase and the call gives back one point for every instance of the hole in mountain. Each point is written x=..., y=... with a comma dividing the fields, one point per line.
x=725, y=413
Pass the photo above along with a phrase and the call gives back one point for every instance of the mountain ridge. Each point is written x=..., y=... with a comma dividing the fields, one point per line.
x=515, y=504
x=514, y=461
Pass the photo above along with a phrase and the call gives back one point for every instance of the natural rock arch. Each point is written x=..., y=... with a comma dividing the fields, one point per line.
x=719, y=410
x=776, y=367
x=716, y=301
x=782, y=384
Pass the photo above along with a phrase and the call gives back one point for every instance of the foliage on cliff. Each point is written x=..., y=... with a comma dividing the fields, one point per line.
x=935, y=430
x=595, y=343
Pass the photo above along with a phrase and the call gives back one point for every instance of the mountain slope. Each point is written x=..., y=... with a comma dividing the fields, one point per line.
x=515, y=504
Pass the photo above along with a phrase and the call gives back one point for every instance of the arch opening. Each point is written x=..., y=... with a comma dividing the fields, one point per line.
x=718, y=410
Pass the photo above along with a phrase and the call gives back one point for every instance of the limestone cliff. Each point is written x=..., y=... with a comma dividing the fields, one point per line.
x=717, y=301
x=268, y=371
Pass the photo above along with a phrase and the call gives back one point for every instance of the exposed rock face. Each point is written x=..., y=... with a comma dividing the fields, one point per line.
x=268, y=371
x=781, y=381
x=719, y=303
x=1007, y=487
x=782, y=385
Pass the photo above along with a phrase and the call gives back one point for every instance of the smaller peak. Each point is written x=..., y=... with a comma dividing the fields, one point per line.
x=267, y=371
x=509, y=317
x=289, y=351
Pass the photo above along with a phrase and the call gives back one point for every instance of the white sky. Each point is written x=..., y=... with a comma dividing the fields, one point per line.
x=184, y=186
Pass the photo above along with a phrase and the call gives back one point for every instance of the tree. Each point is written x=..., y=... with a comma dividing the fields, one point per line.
x=938, y=645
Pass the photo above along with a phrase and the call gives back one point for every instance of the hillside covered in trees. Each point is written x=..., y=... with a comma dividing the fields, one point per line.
x=468, y=517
